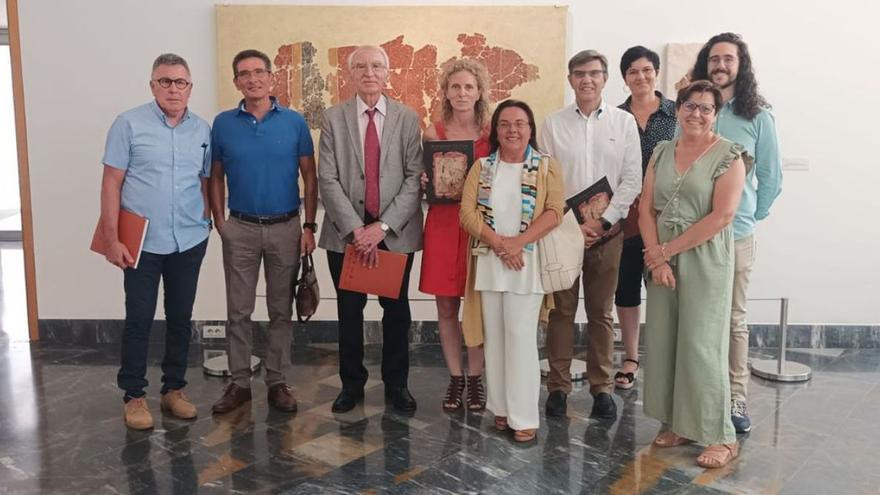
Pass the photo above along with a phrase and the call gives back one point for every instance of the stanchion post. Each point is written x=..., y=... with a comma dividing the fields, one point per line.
x=783, y=333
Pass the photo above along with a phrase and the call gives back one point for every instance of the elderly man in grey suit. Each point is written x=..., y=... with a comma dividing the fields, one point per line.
x=369, y=167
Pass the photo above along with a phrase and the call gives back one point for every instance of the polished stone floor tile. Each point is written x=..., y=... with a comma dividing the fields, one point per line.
x=61, y=431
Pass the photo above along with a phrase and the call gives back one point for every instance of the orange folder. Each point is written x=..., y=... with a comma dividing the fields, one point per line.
x=385, y=280
x=132, y=229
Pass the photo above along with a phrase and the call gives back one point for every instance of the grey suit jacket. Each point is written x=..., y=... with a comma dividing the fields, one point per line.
x=341, y=177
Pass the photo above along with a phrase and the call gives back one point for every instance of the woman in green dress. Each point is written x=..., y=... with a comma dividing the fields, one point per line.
x=691, y=192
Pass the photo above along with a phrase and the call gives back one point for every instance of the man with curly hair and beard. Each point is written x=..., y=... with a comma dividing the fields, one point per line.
x=744, y=118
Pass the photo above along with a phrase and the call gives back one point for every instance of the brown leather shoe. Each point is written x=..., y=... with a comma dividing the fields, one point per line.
x=281, y=397
x=177, y=404
x=233, y=397
x=137, y=415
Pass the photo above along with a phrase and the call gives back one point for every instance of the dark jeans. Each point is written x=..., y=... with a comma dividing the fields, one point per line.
x=180, y=276
x=396, y=320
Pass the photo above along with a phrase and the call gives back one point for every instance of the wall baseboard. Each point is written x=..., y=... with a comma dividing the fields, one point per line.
x=92, y=332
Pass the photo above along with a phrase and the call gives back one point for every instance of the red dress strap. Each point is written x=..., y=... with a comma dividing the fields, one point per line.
x=441, y=130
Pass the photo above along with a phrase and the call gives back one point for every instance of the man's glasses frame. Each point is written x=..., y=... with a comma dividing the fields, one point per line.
x=255, y=74
x=166, y=82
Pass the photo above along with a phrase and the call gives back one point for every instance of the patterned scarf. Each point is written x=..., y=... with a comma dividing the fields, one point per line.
x=529, y=189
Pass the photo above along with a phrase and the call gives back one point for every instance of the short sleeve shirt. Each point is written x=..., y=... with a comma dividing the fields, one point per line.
x=261, y=158
x=163, y=168
x=660, y=127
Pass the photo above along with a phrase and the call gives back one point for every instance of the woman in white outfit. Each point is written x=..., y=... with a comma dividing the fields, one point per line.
x=511, y=198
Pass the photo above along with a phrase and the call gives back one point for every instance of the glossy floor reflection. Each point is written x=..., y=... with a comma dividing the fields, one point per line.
x=61, y=431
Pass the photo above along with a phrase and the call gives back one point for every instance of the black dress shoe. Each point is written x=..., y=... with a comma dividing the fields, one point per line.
x=400, y=398
x=346, y=400
x=556, y=406
x=604, y=407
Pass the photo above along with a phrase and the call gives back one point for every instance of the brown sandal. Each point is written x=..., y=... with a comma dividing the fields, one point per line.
x=476, y=395
x=452, y=401
x=718, y=455
x=525, y=435
x=670, y=439
x=501, y=423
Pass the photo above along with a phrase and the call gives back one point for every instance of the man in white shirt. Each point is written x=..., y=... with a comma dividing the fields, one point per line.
x=591, y=140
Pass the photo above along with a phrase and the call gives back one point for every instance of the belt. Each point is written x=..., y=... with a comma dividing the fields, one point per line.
x=264, y=219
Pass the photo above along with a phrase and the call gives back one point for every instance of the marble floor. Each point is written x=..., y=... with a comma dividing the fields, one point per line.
x=61, y=431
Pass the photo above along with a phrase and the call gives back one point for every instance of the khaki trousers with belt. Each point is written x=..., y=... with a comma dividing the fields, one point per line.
x=599, y=277
x=245, y=246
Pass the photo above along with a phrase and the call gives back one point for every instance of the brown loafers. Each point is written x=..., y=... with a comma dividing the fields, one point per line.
x=281, y=397
x=233, y=397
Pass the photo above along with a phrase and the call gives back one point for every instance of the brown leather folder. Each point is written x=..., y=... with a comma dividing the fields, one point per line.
x=132, y=228
x=384, y=280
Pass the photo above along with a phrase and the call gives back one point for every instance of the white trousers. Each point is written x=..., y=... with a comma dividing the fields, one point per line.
x=513, y=378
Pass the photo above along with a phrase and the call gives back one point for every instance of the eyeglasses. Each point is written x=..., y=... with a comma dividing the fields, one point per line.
x=256, y=74
x=377, y=67
x=178, y=83
x=691, y=107
x=593, y=74
x=518, y=125
x=726, y=60
x=647, y=72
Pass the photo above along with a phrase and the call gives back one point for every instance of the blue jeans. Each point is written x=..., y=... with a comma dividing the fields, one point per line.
x=180, y=276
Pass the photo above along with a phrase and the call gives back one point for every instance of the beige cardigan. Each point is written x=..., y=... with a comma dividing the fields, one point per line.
x=550, y=196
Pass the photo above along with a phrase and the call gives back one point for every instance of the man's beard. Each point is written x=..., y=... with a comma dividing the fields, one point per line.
x=730, y=82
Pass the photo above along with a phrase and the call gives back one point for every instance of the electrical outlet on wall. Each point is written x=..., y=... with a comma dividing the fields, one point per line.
x=214, y=332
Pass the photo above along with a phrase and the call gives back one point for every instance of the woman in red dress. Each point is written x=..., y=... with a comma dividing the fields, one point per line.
x=464, y=84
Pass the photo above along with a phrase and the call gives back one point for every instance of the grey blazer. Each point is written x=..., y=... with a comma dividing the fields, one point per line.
x=341, y=177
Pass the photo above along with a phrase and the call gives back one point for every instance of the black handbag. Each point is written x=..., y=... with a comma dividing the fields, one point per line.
x=306, y=293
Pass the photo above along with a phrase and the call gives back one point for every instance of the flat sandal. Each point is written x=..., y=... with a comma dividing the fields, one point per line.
x=718, y=455
x=525, y=435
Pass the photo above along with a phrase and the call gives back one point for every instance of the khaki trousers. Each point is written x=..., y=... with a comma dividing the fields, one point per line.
x=245, y=246
x=745, y=250
x=599, y=277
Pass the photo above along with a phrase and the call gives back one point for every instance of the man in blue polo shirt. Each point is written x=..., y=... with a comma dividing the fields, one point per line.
x=745, y=118
x=156, y=164
x=261, y=149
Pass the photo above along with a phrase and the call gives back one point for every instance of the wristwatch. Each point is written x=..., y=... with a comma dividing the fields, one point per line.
x=313, y=226
x=384, y=226
x=606, y=225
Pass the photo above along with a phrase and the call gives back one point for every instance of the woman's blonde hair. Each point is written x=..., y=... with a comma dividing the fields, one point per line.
x=478, y=70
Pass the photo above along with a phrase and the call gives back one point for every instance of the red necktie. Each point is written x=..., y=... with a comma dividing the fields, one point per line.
x=371, y=166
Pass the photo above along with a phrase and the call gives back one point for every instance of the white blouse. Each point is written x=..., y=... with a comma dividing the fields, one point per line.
x=506, y=202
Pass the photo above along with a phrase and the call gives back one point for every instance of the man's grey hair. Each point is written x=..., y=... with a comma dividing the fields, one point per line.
x=585, y=57
x=170, y=59
x=368, y=48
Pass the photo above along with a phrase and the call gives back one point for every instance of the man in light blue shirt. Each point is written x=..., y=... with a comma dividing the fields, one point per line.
x=745, y=118
x=156, y=164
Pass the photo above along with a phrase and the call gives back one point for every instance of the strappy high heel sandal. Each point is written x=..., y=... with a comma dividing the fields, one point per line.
x=476, y=395
x=452, y=401
x=626, y=381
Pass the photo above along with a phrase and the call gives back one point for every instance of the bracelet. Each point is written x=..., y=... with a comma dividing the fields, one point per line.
x=663, y=252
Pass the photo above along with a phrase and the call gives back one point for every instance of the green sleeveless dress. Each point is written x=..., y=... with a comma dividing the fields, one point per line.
x=687, y=329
